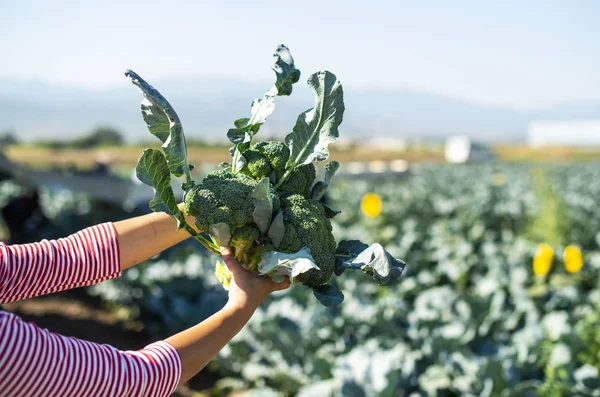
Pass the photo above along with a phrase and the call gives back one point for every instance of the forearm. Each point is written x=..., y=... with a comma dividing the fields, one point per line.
x=198, y=345
x=84, y=258
x=142, y=237
x=36, y=362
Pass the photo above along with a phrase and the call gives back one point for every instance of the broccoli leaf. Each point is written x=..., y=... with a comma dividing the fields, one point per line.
x=263, y=205
x=260, y=109
x=317, y=127
x=245, y=128
x=239, y=161
x=285, y=71
x=279, y=264
x=221, y=233
x=373, y=260
x=163, y=122
x=237, y=136
x=346, y=251
x=318, y=190
x=330, y=212
x=277, y=230
x=152, y=170
x=328, y=295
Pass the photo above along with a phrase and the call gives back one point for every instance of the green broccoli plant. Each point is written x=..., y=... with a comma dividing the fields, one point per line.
x=265, y=204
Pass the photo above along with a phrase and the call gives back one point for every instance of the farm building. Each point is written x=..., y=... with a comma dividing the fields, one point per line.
x=460, y=149
x=567, y=133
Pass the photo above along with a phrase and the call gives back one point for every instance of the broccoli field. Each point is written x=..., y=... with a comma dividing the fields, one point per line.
x=469, y=317
x=498, y=296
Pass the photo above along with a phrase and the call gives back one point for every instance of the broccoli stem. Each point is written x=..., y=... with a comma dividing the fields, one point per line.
x=209, y=245
x=283, y=178
x=234, y=161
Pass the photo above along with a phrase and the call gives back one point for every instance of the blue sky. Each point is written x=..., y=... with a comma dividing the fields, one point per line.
x=511, y=53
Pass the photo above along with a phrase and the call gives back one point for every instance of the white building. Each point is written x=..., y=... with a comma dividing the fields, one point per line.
x=460, y=149
x=564, y=133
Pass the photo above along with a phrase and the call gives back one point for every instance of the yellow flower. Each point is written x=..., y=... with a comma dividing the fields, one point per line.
x=573, y=259
x=542, y=262
x=371, y=205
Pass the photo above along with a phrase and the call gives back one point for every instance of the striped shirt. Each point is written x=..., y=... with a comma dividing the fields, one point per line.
x=36, y=362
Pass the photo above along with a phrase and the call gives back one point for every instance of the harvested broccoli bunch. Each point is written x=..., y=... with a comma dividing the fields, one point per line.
x=307, y=226
x=300, y=181
x=221, y=197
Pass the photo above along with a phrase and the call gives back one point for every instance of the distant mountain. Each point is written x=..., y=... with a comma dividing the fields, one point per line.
x=208, y=107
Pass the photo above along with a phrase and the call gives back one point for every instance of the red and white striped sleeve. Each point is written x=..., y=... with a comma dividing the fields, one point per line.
x=36, y=362
x=84, y=258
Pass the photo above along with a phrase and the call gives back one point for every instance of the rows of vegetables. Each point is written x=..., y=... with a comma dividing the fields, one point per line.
x=500, y=296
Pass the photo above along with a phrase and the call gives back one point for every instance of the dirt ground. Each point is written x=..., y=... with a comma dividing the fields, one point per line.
x=75, y=313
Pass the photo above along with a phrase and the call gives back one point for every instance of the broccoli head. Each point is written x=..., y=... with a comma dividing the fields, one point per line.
x=257, y=165
x=221, y=197
x=265, y=157
x=300, y=181
x=306, y=225
x=268, y=157
x=276, y=152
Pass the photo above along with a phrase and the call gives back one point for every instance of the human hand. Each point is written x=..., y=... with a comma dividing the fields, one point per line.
x=248, y=289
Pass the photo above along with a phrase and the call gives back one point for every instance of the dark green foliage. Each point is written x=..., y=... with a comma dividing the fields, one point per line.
x=307, y=226
x=101, y=136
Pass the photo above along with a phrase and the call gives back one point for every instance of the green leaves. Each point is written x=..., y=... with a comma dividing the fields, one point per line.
x=346, y=251
x=330, y=212
x=285, y=70
x=317, y=127
x=245, y=128
x=373, y=260
x=318, y=190
x=163, y=122
x=278, y=264
x=277, y=230
x=152, y=170
x=221, y=233
x=263, y=205
x=328, y=295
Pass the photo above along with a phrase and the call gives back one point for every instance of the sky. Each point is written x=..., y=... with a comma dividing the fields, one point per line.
x=514, y=53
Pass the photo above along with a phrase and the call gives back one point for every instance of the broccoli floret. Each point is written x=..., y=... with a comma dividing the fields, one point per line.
x=276, y=152
x=300, y=181
x=265, y=157
x=257, y=165
x=221, y=197
x=243, y=240
x=307, y=226
x=227, y=197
